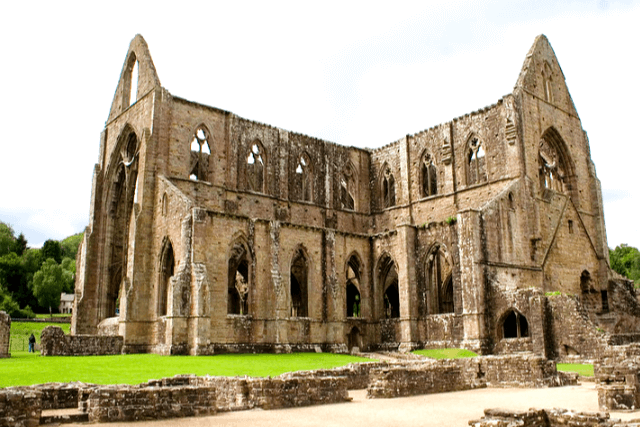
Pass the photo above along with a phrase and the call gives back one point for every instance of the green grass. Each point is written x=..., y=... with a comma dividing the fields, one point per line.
x=20, y=332
x=47, y=316
x=446, y=353
x=23, y=368
x=584, y=369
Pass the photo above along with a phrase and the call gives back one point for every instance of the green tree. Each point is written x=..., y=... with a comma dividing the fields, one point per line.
x=14, y=279
x=20, y=245
x=48, y=283
x=7, y=238
x=68, y=274
x=9, y=306
x=52, y=249
x=626, y=261
x=71, y=244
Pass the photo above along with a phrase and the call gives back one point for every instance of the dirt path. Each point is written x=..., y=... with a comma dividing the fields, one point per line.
x=445, y=409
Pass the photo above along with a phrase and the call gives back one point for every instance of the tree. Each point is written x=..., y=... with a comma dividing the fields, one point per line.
x=14, y=279
x=626, y=261
x=48, y=283
x=7, y=238
x=20, y=245
x=52, y=249
x=68, y=274
x=71, y=244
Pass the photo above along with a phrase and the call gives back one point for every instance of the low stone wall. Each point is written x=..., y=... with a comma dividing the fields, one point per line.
x=522, y=370
x=544, y=418
x=54, y=342
x=61, y=395
x=132, y=403
x=5, y=334
x=617, y=378
x=20, y=406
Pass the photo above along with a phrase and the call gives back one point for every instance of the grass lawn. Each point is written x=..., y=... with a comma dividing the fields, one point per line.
x=23, y=368
x=47, y=316
x=446, y=353
x=584, y=369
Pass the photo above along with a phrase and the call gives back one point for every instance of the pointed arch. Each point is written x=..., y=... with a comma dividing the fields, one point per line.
x=130, y=81
x=476, y=161
x=200, y=152
x=439, y=277
x=428, y=175
x=240, y=282
x=513, y=324
x=348, y=188
x=353, y=277
x=556, y=168
x=123, y=176
x=547, y=82
x=388, y=185
x=303, y=178
x=388, y=282
x=166, y=268
x=298, y=283
x=256, y=166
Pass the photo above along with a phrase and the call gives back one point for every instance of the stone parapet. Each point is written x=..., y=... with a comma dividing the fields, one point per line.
x=54, y=342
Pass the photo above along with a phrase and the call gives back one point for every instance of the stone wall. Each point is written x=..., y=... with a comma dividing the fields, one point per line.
x=54, y=342
x=544, y=418
x=523, y=370
x=20, y=407
x=617, y=378
x=5, y=334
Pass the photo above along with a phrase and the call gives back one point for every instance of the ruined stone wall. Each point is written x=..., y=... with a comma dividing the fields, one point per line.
x=5, y=334
x=617, y=378
x=544, y=418
x=19, y=407
x=524, y=370
x=54, y=342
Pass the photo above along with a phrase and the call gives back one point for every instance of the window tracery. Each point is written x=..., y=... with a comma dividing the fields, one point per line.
x=388, y=188
x=304, y=178
x=200, y=151
x=255, y=168
x=476, y=162
x=429, y=176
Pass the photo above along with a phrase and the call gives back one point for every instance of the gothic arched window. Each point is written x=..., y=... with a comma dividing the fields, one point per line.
x=388, y=188
x=304, y=179
x=347, y=190
x=440, y=281
x=255, y=168
x=239, y=281
x=167, y=267
x=429, y=176
x=476, y=162
x=200, y=151
x=353, y=300
x=298, y=285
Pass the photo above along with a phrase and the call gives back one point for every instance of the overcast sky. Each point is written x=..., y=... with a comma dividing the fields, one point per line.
x=355, y=73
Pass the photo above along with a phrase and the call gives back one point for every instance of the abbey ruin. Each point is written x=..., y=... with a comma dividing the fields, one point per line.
x=212, y=233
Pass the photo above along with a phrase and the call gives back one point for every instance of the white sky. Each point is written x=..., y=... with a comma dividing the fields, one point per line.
x=356, y=73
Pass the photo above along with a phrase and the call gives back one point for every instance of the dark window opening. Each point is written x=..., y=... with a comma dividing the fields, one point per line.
x=347, y=199
x=238, y=286
x=515, y=325
x=304, y=179
x=388, y=275
x=605, y=301
x=388, y=189
x=440, y=281
x=167, y=267
x=585, y=282
x=353, y=300
x=570, y=224
x=353, y=339
x=299, y=291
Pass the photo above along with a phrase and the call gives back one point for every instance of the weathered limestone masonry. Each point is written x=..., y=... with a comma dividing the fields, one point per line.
x=20, y=407
x=617, y=374
x=212, y=233
x=5, y=334
x=548, y=418
x=523, y=370
x=54, y=342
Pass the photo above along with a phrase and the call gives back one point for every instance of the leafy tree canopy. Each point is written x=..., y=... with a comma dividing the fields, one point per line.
x=7, y=238
x=52, y=249
x=48, y=284
x=626, y=261
x=70, y=245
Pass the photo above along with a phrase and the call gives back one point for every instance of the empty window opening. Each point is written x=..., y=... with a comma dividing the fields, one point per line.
x=200, y=151
x=255, y=168
x=347, y=188
x=570, y=224
x=388, y=189
x=429, y=176
x=476, y=163
x=515, y=325
x=165, y=204
x=605, y=301
x=167, y=267
x=304, y=179
x=388, y=276
x=552, y=167
x=353, y=300
x=585, y=282
x=511, y=202
x=238, y=281
x=299, y=294
x=440, y=281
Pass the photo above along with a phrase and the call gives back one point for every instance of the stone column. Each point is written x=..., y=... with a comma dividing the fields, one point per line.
x=5, y=333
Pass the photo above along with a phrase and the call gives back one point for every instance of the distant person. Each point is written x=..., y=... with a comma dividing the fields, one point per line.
x=32, y=344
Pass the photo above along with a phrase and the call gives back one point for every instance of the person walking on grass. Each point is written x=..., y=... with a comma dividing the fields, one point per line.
x=32, y=344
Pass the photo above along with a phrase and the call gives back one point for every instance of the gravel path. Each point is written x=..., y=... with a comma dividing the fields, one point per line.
x=445, y=409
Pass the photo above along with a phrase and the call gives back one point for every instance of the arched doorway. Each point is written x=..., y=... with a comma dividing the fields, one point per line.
x=298, y=284
x=388, y=279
